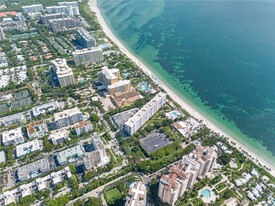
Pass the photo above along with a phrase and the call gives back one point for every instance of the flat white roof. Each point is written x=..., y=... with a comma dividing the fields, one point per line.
x=59, y=134
x=67, y=113
x=87, y=50
x=28, y=147
x=12, y=134
x=119, y=84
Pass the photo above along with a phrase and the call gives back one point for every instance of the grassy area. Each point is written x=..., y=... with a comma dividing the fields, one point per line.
x=112, y=195
x=220, y=186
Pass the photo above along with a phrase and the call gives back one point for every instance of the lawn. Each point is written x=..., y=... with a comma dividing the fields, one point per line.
x=220, y=186
x=112, y=195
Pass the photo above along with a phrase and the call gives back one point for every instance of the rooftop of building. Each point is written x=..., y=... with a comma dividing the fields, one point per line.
x=31, y=127
x=122, y=117
x=122, y=96
x=87, y=50
x=70, y=152
x=137, y=193
x=61, y=67
x=109, y=73
x=82, y=124
x=28, y=147
x=11, y=134
x=66, y=113
x=25, y=171
x=203, y=153
x=59, y=134
x=119, y=84
x=145, y=108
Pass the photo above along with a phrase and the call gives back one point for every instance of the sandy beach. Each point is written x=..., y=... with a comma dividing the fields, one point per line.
x=256, y=158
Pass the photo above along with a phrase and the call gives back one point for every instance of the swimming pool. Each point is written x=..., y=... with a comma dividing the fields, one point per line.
x=206, y=193
x=144, y=87
x=175, y=114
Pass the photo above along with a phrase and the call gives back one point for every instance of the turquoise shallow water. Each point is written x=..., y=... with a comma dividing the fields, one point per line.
x=218, y=55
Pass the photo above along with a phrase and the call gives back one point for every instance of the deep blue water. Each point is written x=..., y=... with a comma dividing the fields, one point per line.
x=218, y=54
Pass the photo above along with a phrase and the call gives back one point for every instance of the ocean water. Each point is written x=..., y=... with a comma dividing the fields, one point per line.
x=217, y=55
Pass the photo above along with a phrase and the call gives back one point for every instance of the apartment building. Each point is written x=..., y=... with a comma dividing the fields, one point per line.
x=33, y=169
x=66, y=118
x=34, y=8
x=12, y=137
x=36, y=129
x=12, y=119
x=63, y=72
x=88, y=56
x=64, y=23
x=121, y=86
x=59, y=136
x=83, y=127
x=29, y=147
x=45, y=108
x=96, y=156
x=183, y=175
x=144, y=114
x=206, y=157
x=137, y=195
x=86, y=39
x=70, y=8
x=109, y=76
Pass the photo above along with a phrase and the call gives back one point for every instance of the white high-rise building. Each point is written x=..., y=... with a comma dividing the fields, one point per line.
x=144, y=114
x=137, y=195
x=2, y=34
x=73, y=5
x=88, y=56
x=63, y=72
x=70, y=8
x=109, y=76
x=12, y=137
x=85, y=38
x=32, y=8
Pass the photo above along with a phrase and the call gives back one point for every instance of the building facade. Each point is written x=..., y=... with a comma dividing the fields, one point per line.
x=66, y=118
x=63, y=72
x=96, y=156
x=33, y=8
x=109, y=76
x=70, y=8
x=144, y=114
x=85, y=38
x=206, y=158
x=12, y=137
x=121, y=86
x=88, y=56
x=183, y=175
x=36, y=129
x=2, y=34
x=64, y=23
x=83, y=127
x=59, y=136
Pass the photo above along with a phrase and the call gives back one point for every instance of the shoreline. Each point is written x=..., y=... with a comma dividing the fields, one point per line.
x=94, y=7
